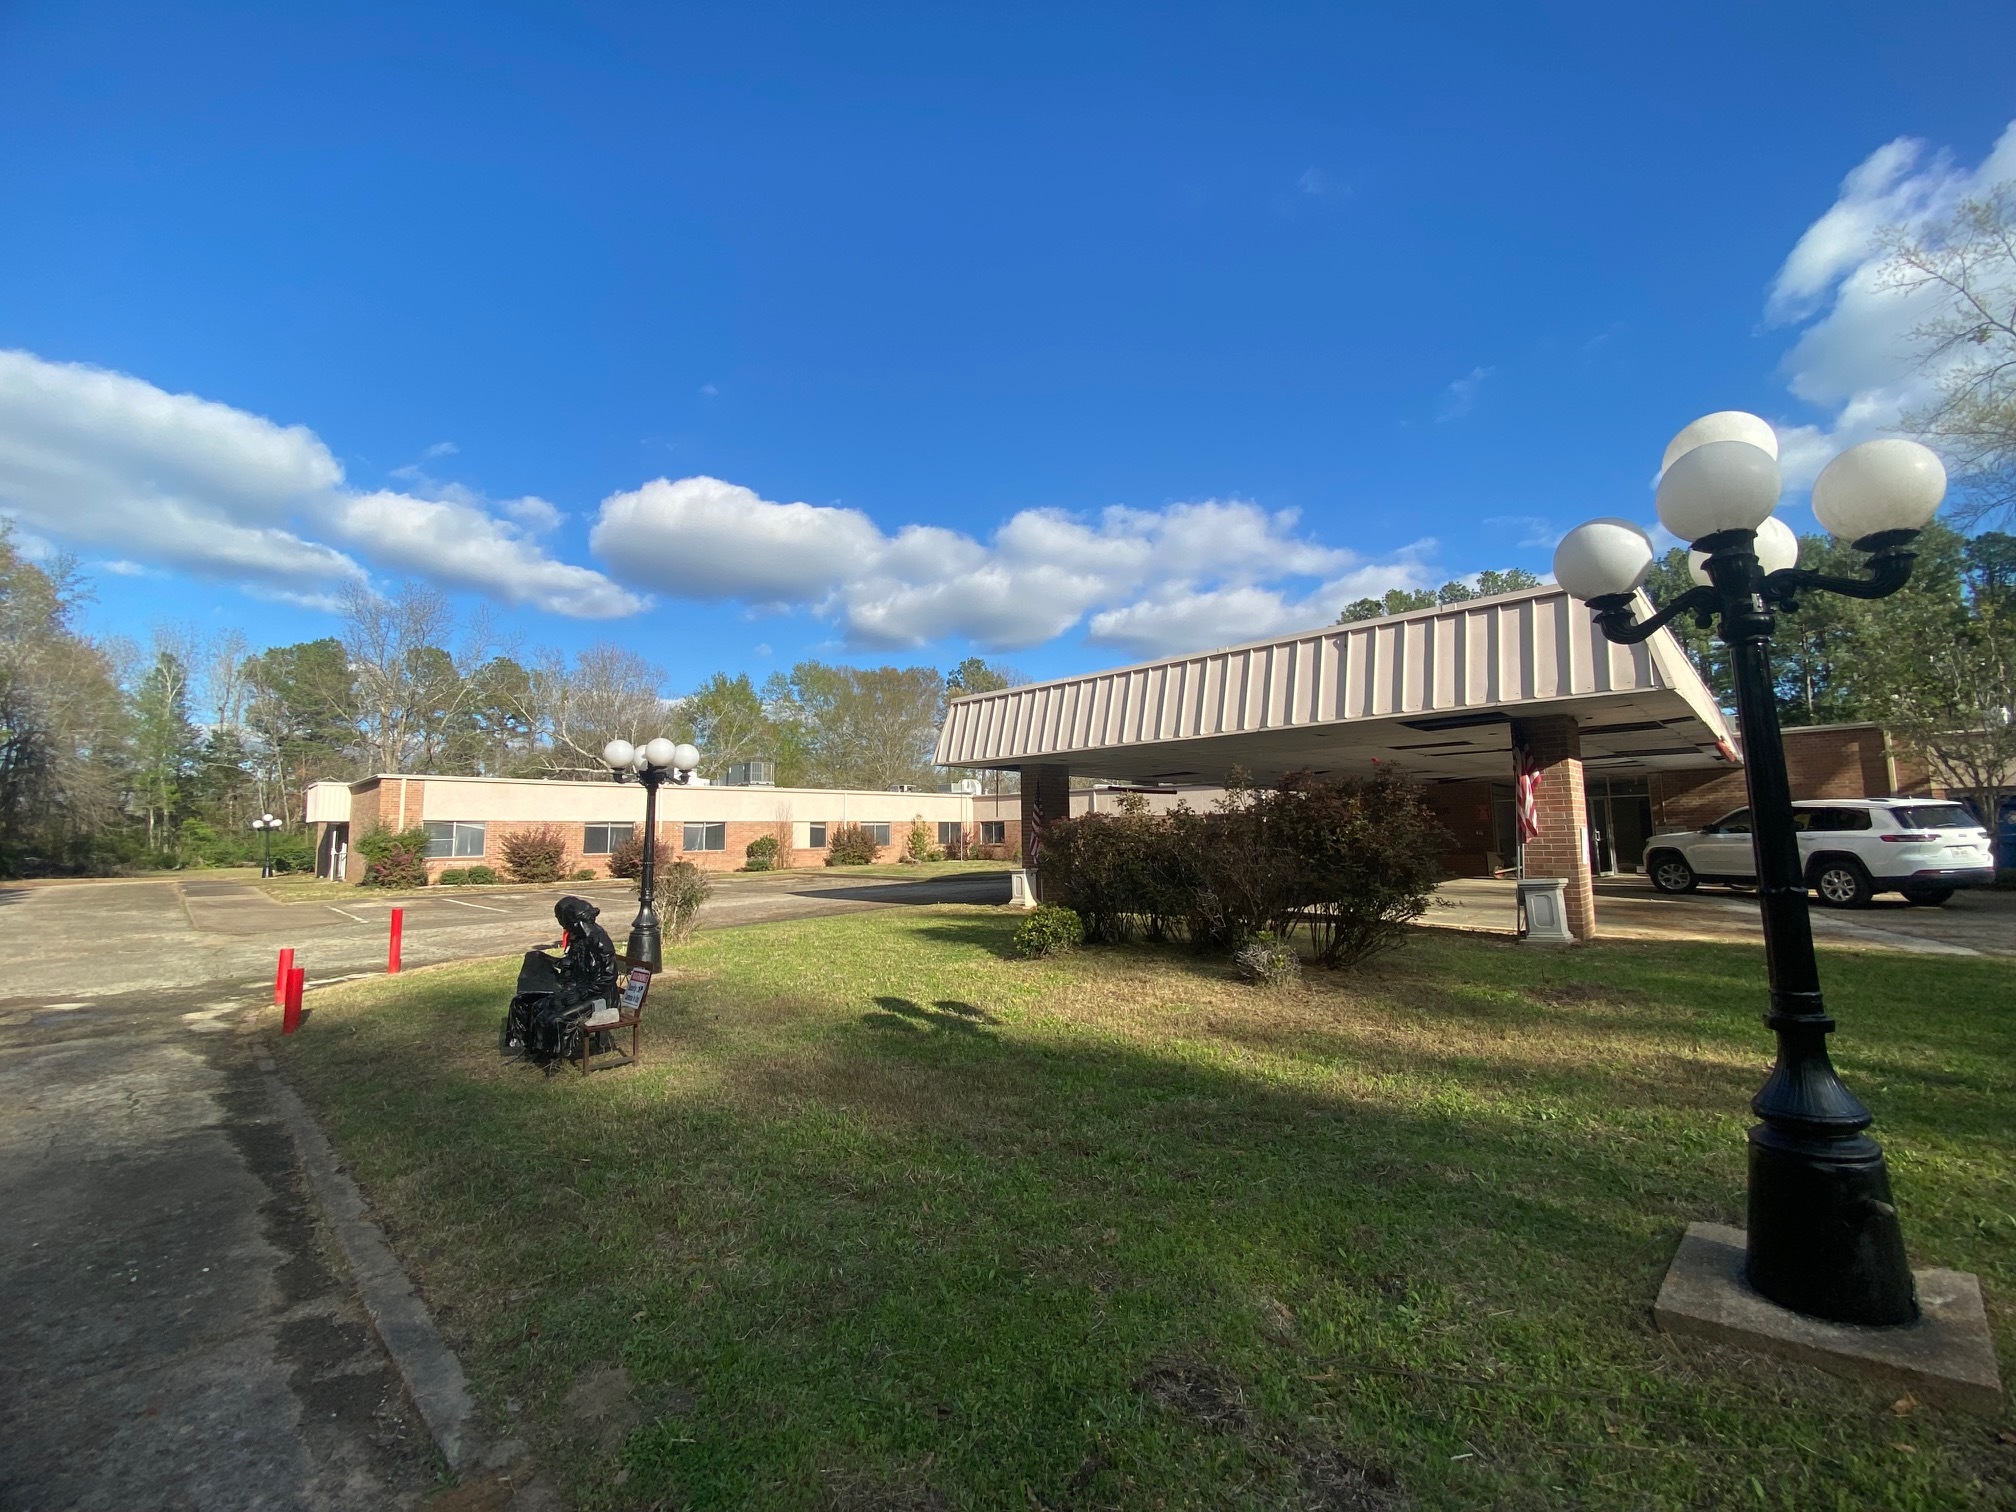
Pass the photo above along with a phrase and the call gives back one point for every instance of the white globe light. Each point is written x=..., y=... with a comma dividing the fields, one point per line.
x=1877, y=486
x=1719, y=485
x=659, y=753
x=619, y=754
x=685, y=757
x=1723, y=425
x=1777, y=548
x=1602, y=557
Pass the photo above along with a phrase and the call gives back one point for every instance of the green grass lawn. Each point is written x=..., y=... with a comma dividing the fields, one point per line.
x=889, y=1219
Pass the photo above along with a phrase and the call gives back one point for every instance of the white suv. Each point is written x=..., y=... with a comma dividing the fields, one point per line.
x=1853, y=848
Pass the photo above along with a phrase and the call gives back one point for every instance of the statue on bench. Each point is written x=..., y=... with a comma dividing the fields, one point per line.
x=557, y=996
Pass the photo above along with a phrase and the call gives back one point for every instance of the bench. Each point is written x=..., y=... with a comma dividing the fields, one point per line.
x=627, y=1012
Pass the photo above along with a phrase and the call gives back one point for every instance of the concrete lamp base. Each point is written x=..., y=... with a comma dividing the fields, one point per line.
x=1946, y=1356
x=1022, y=889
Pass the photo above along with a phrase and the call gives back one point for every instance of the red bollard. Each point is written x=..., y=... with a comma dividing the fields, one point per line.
x=398, y=930
x=280, y=977
x=290, y=1014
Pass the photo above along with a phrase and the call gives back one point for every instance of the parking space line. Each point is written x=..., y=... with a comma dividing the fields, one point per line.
x=460, y=903
x=350, y=916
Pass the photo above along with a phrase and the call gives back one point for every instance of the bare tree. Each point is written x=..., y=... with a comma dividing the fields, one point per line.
x=607, y=693
x=1968, y=262
x=412, y=678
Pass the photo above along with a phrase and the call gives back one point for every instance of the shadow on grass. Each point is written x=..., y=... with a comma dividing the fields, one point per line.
x=944, y=1016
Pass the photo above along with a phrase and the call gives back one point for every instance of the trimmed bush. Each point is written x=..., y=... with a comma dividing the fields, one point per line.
x=455, y=876
x=627, y=860
x=586, y=874
x=535, y=855
x=481, y=876
x=677, y=896
x=1351, y=862
x=761, y=854
x=394, y=858
x=1051, y=930
x=851, y=845
x=1267, y=962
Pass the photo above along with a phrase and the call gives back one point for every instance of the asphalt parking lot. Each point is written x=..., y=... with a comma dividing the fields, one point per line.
x=1976, y=922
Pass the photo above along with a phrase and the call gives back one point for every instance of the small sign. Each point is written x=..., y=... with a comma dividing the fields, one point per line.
x=638, y=983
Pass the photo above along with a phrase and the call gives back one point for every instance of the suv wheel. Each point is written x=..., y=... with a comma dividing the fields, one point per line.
x=1842, y=884
x=1931, y=897
x=1671, y=873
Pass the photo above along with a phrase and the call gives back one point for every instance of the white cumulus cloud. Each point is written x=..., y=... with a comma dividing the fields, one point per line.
x=1188, y=575
x=103, y=459
x=1854, y=360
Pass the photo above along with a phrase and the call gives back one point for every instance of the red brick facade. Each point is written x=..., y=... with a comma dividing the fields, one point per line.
x=1561, y=849
x=1825, y=761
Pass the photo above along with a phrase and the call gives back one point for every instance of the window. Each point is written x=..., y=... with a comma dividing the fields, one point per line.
x=1936, y=816
x=1829, y=821
x=604, y=839
x=879, y=833
x=454, y=839
x=705, y=837
x=950, y=833
x=1737, y=823
x=993, y=831
x=815, y=836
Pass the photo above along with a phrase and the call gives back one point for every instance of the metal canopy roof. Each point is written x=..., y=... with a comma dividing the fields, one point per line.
x=1432, y=692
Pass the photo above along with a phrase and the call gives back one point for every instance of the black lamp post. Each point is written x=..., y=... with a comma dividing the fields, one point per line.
x=657, y=761
x=266, y=824
x=1823, y=1235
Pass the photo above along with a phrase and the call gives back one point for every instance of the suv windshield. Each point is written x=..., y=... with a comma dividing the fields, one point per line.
x=1737, y=823
x=1936, y=816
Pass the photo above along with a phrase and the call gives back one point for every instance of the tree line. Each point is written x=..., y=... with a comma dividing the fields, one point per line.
x=114, y=753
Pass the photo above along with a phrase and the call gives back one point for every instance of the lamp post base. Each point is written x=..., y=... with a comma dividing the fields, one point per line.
x=1945, y=1355
x=645, y=948
x=1824, y=1238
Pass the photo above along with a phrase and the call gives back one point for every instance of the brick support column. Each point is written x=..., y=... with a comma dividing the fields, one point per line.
x=1046, y=798
x=1561, y=849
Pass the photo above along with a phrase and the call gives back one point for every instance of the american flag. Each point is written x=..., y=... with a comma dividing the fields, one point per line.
x=1527, y=778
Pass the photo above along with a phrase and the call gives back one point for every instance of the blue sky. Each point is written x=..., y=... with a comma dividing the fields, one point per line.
x=1064, y=335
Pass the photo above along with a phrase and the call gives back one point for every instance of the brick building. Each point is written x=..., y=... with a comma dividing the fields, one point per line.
x=468, y=818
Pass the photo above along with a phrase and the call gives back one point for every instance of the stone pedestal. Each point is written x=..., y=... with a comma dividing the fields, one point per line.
x=1946, y=1356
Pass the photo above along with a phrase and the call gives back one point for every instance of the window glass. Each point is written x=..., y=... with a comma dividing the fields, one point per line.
x=705, y=837
x=993, y=831
x=1835, y=820
x=1936, y=816
x=1737, y=823
x=454, y=838
x=879, y=833
x=949, y=833
x=604, y=839
x=815, y=836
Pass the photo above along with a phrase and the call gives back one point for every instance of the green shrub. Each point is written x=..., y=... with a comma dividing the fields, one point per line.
x=851, y=845
x=922, y=844
x=586, y=874
x=535, y=855
x=394, y=858
x=481, y=876
x=1051, y=930
x=761, y=854
x=294, y=851
x=679, y=891
x=627, y=860
x=455, y=876
x=1351, y=862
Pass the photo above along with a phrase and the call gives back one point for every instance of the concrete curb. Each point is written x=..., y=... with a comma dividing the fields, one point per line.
x=432, y=1374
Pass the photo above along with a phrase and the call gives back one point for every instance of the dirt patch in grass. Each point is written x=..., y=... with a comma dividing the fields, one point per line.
x=1201, y=1392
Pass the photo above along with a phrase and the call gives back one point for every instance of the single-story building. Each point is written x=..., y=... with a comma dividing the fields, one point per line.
x=468, y=818
x=1628, y=739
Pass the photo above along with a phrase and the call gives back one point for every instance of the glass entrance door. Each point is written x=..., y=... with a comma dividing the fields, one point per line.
x=1620, y=822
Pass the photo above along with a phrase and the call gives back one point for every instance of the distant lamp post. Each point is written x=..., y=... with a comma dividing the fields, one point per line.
x=266, y=824
x=655, y=762
x=1823, y=1236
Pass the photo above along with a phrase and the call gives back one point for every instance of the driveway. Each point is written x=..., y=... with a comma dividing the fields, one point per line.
x=1980, y=922
x=176, y=1334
